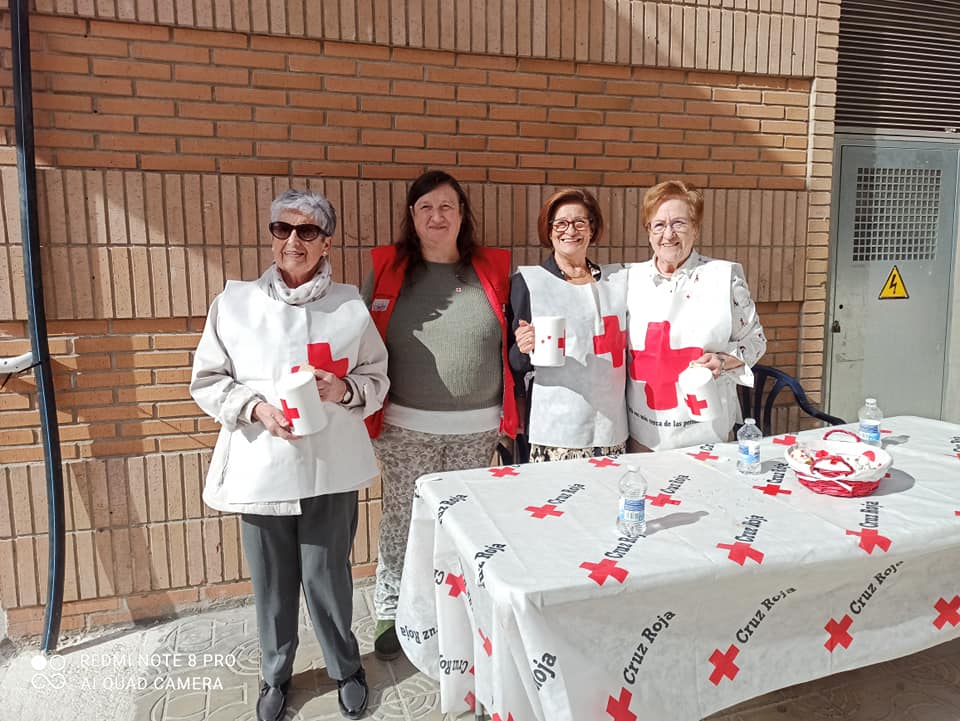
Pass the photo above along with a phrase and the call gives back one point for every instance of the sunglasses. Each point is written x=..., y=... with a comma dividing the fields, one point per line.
x=306, y=231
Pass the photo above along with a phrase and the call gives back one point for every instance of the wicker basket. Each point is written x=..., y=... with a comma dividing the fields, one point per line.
x=839, y=468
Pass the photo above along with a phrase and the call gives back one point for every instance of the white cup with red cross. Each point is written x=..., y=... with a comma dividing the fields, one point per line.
x=549, y=340
x=301, y=404
x=699, y=393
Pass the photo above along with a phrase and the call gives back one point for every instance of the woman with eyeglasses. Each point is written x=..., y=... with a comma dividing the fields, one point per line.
x=437, y=298
x=296, y=495
x=685, y=308
x=575, y=410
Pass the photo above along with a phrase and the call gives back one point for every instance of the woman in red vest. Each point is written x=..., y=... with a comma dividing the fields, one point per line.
x=438, y=299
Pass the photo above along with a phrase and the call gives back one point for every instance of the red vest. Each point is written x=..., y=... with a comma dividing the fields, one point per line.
x=492, y=266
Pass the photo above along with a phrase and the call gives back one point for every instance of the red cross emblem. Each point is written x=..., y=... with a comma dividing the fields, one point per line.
x=870, y=538
x=603, y=462
x=658, y=366
x=457, y=584
x=487, y=646
x=471, y=700
x=786, y=440
x=613, y=340
x=319, y=356
x=606, y=567
x=956, y=513
x=291, y=413
x=498, y=717
x=662, y=500
x=619, y=708
x=704, y=456
x=724, y=665
x=695, y=404
x=772, y=489
x=503, y=471
x=740, y=552
x=548, y=509
x=839, y=633
x=949, y=612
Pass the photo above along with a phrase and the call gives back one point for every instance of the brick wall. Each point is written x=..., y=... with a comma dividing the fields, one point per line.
x=164, y=129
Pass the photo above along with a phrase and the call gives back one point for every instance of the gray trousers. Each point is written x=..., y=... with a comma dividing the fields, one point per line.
x=312, y=550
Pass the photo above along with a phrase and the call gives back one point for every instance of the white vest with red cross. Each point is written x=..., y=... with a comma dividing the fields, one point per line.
x=265, y=339
x=580, y=404
x=670, y=325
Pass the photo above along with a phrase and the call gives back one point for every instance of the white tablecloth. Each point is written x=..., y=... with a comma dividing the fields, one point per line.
x=518, y=592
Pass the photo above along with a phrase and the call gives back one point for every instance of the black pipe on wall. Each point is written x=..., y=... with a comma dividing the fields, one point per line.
x=36, y=317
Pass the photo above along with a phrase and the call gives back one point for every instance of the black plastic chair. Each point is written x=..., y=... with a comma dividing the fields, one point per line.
x=758, y=402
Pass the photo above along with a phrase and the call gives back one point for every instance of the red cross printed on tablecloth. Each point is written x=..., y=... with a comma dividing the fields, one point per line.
x=695, y=404
x=548, y=509
x=839, y=633
x=662, y=500
x=956, y=513
x=659, y=365
x=457, y=584
x=319, y=356
x=613, y=340
x=619, y=708
x=740, y=552
x=870, y=538
x=949, y=612
x=786, y=440
x=498, y=717
x=606, y=567
x=772, y=489
x=724, y=665
x=291, y=413
x=503, y=471
x=471, y=700
x=704, y=456
x=603, y=462
x=487, y=646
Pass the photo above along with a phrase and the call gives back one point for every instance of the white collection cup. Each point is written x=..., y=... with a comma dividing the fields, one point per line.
x=549, y=342
x=699, y=393
x=300, y=402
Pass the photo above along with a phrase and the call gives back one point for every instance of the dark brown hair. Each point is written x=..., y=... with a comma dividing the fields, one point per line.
x=408, y=244
x=562, y=197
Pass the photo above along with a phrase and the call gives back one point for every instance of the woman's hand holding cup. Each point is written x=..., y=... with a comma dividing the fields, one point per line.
x=525, y=336
x=273, y=419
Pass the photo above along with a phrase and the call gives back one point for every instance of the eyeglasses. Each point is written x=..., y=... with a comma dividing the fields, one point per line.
x=428, y=210
x=579, y=224
x=305, y=231
x=679, y=227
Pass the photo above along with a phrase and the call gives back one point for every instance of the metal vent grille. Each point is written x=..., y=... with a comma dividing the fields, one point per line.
x=896, y=214
x=899, y=65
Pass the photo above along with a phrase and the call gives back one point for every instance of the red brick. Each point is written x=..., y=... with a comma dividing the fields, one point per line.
x=131, y=69
x=259, y=131
x=58, y=139
x=275, y=98
x=456, y=109
x=216, y=111
x=93, y=159
x=175, y=126
x=209, y=38
x=547, y=130
x=254, y=167
x=181, y=91
x=91, y=85
x=218, y=146
x=178, y=163
x=136, y=143
x=167, y=51
x=212, y=75
x=360, y=51
x=457, y=76
x=86, y=46
x=135, y=106
x=392, y=138
x=357, y=86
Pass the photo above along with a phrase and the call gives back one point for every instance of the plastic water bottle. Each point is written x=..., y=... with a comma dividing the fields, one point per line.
x=870, y=417
x=748, y=451
x=632, y=516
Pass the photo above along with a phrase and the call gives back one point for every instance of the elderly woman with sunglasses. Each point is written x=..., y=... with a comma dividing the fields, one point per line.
x=685, y=308
x=297, y=495
x=575, y=410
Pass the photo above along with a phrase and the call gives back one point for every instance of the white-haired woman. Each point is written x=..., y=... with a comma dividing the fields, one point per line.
x=297, y=495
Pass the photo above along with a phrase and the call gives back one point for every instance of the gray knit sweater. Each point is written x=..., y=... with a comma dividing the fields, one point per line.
x=444, y=342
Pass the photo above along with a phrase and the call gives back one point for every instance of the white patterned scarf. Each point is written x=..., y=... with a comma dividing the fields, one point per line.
x=271, y=283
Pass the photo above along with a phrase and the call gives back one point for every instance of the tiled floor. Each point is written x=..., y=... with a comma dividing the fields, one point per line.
x=204, y=667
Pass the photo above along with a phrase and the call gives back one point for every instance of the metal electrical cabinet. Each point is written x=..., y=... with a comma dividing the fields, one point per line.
x=893, y=256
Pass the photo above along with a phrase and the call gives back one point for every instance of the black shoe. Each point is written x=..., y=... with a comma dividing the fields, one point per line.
x=272, y=701
x=352, y=693
x=386, y=646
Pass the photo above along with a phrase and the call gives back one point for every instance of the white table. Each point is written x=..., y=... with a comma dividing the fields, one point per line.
x=518, y=593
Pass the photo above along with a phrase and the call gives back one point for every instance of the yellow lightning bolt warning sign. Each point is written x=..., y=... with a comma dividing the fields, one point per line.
x=894, y=287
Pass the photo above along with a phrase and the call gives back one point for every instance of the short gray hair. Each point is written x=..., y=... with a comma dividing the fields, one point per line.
x=311, y=204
